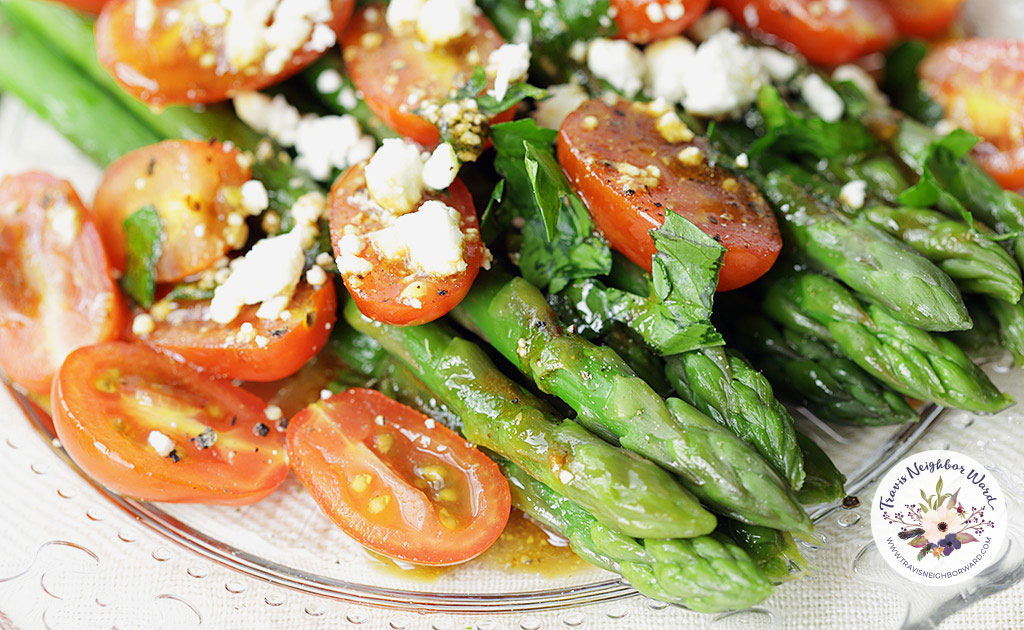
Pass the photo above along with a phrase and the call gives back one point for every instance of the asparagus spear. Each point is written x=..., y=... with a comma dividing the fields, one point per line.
x=909, y=360
x=863, y=256
x=832, y=387
x=773, y=551
x=623, y=491
x=612, y=401
x=1010, y=318
x=824, y=482
x=638, y=357
x=983, y=341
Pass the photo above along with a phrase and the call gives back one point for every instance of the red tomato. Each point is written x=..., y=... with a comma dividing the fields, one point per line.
x=175, y=56
x=277, y=348
x=980, y=83
x=56, y=293
x=109, y=398
x=644, y=21
x=90, y=6
x=395, y=481
x=393, y=292
x=194, y=187
x=397, y=72
x=924, y=18
x=816, y=30
x=628, y=175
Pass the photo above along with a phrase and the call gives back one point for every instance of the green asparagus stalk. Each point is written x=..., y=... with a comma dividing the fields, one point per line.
x=909, y=360
x=866, y=258
x=638, y=357
x=612, y=401
x=831, y=387
x=705, y=574
x=623, y=491
x=977, y=264
x=824, y=482
x=773, y=551
x=982, y=342
x=1010, y=318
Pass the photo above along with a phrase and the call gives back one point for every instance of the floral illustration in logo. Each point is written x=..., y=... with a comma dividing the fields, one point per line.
x=939, y=524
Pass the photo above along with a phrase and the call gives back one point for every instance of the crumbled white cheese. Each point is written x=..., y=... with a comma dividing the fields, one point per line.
x=323, y=143
x=145, y=14
x=273, y=413
x=854, y=193
x=440, y=169
x=267, y=273
x=212, y=13
x=442, y=21
x=655, y=13
x=723, y=76
x=143, y=324
x=328, y=81
x=394, y=176
x=860, y=78
x=618, y=62
x=431, y=239
x=272, y=116
x=675, y=10
x=309, y=208
x=665, y=60
x=508, y=63
x=349, y=247
x=323, y=37
x=713, y=21
x=403, y=14
x=162, y=444
x=561, y=101
x=255, y=198
x=64, y=223
x=742, y=160
x=325, y=394
x=780, y=66
x=565, y=476
x=316, y=276
x=821, y=98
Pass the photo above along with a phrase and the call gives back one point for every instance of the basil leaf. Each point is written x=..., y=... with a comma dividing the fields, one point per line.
x=189, y=293
x=901, y=82
x=144, y=235
x=515, y=93
x=943, y=156
x=545, y=177
x=493, y=221
x=787, y=132
x=685, y=268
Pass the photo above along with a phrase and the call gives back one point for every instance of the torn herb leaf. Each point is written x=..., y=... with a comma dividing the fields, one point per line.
x=144, y=234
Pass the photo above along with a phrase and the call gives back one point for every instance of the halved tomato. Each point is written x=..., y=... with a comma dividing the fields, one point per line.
x=250, y=348
x=391, y=291
x=924, y=18
x=397, y=72
x=90, y=6
x=629, y=174
x=397, y=482
x=828, y=33
x=56, y=293
x=116, y=404
x=182, y=51
x=980, y=84
x=643, y=21
x=194, y=187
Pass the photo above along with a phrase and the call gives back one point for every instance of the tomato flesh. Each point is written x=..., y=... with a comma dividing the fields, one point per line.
x=89, y=6
x=601, y=160
x=644, y=21
x=395, y=481
x=392, y=291
x=397, y=72
x=980, y=84
x=924, y=18
x=56, y=292
x=276, y=348
x=822, y=34
x=178, y=55
x=108, y=398
x=193, y=186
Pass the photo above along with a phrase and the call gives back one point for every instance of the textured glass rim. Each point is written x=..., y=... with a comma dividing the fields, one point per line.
x=252, y=565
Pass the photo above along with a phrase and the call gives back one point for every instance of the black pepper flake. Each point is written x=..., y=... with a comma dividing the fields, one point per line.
x=234, y=419
x=310, y=318
x=173, y=456
x=850, y=502
x=442, y=291
x=282, y=424
x=206, y=439
x=279, y=332
x=151, y=166
x=261, y=429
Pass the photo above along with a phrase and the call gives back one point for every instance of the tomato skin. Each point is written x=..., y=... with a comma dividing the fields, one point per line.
x=101, y=383
x=187, y=182
x=55, y=294
x=924, y=18
x=334, y=443
x=89, y=6
x=433, y=73
x=189, y=333
x=831, y=39
x=634, y=24
x=377, y=294
x=980, y=84
x=160, y=67
x=626, y=210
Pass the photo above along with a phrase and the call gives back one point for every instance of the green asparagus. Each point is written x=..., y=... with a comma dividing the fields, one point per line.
x=612, y=401
x=623, y=491
x=1010, y=318
x=910, y=360
x=824, y=482
x=773, y=551
x=983, y=341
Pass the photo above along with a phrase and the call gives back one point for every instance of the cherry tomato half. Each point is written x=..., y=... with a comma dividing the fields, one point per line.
x=183, y=51
x=194, y=187
x=980, y=84
x=56, y=292
x=108, y=399
x=398, y=72
x=89, y=6
x=391, y=291
x=643, y=21
x=924, y=18
x=628, y=175
x=397, y=482
x=823, y=34
x=271, y=350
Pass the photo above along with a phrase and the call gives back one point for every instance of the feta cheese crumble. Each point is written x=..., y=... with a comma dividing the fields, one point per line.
x=561, y=101
x=349, y=262
x=854, y=193
x=431, y=239
x=821, y=98
x=394, y=176
x=255, y=198
x=508, y=63
x=665, y=59
x=162, y=444
x=440, y=170
x=143, y=325
x=266, y=275
x=780, y=66
x=618, y=62
x=722, y=77
x=443, y=21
